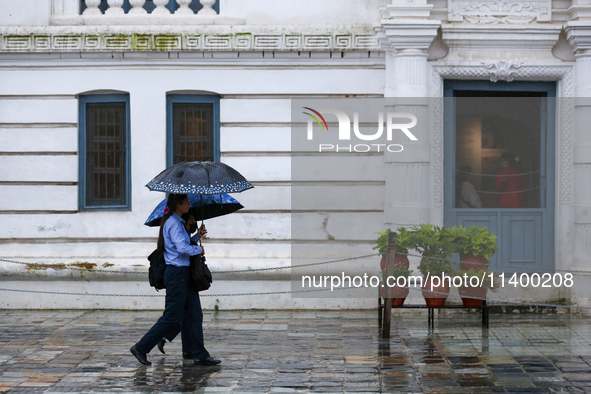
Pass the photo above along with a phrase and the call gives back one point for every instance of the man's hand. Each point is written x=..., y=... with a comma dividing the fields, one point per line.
x=202, y=251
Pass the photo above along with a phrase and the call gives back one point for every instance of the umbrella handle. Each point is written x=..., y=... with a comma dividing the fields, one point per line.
x=201, y=198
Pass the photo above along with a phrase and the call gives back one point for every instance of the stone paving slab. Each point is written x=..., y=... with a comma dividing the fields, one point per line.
x=298, y=352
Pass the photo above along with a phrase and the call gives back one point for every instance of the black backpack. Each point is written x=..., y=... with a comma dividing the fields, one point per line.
x=157, y=268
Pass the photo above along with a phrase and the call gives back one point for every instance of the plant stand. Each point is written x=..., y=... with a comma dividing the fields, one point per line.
x=431, y=311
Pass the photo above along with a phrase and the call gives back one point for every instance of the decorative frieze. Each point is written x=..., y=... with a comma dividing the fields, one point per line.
x=500, y=11
x=67, y=42
x=218, y=42
x=116, y=42
x=237, y=41
x=17, y=43
x=264, y=42
x=42, y=42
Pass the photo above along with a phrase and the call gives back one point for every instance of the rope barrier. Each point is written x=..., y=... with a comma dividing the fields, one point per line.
x=214, y=272
x=159, y=295
x=290, y=266
x=520, y=191
x=497, y=266
x=520, y=174
x=291, y=291
x=297, y=291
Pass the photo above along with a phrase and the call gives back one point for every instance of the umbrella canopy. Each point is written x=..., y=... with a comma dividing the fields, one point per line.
x=202, y=207
x=198, y=177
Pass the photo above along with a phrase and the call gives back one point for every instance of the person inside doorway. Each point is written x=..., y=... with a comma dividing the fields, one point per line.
x=468, y=196
x=509, y=183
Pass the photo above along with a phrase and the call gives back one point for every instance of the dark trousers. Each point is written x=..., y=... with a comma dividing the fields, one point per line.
x=182, y=309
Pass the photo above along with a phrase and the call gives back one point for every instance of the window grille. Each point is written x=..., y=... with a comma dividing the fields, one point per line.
x=193, y=128
x=104, y=175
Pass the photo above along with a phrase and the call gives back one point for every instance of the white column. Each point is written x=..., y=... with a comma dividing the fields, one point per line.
x=160, y=7
x=138, y=7
x=579, y=36
x=115, y=7
x=92, y=7
x=405, y=33
x=207, y=7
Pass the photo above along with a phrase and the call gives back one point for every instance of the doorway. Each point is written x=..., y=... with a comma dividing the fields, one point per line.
x=499, y=167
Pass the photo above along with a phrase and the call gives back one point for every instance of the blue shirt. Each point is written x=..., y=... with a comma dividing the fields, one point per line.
x=177, y=244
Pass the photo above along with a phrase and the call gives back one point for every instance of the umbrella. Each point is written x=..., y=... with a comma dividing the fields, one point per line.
x=197, y=177
x=202, y=207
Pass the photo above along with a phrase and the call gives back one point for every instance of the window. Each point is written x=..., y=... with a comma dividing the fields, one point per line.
x=149, y=6
x=499, y=143
x=193, y=128
x=104, y=180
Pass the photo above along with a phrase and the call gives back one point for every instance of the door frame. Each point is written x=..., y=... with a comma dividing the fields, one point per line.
x=449, y=210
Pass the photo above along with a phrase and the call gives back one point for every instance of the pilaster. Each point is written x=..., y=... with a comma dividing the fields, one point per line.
x=405, y=33
x=578, y=34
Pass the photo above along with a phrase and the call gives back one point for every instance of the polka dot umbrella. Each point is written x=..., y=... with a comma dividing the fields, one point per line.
x=199, y=177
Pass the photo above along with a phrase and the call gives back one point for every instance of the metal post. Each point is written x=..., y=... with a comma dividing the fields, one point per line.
x=390, y=256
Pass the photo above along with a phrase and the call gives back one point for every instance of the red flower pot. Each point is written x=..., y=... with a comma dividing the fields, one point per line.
x=399, y=295
x=434, y=298
x=398, y=259
x=469, y=261
x=479, y=292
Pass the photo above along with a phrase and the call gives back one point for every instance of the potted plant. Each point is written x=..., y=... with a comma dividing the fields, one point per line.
x=432, y=240
x=473, y=292
x=399, y=293
x=404, y=241
x=430, y=266
x=435, y=244
x=475, y=246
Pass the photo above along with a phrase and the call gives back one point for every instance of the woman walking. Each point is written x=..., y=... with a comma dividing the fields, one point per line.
x=182, y=307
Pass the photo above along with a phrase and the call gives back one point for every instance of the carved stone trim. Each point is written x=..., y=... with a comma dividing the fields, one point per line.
x=565, y=78
x=236, y=41
x=502, y=70
x=500, y=11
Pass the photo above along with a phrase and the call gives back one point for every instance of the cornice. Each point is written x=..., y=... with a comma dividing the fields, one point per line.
x=578, y=35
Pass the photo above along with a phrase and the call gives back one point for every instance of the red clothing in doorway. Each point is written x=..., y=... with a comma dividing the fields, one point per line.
x=509, y=181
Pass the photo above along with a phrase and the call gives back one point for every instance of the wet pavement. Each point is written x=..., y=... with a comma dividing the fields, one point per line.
x=299, y=352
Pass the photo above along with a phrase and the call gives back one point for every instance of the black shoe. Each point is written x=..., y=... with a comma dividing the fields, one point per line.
x=207, y=361
x=188, y=356
x=161, y=346
x=141, y=357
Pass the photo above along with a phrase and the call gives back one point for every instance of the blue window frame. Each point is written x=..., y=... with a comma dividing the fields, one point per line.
x=104, y=152
x=193, y=128
x=149, y=6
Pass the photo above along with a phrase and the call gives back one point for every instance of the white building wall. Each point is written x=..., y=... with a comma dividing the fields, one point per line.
x=45, y=68
x=41, y=201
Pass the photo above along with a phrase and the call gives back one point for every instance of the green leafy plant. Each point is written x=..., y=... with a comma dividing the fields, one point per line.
x=490, y=282
x=399, y=270
x=432, y=240
x=435, y=265
x=217, y=304
x=382, y=241
x=474, y=240
x=404, y=241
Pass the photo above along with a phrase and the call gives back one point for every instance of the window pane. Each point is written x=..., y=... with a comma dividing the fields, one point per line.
x=498, y=150
x=105, y=154
x=193, y=132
